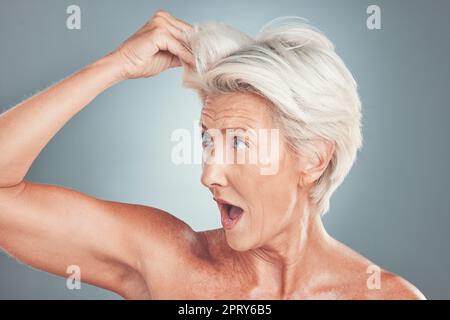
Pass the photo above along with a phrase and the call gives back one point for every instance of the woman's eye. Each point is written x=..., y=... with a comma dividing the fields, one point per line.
x=238, y=143
x=206, y=139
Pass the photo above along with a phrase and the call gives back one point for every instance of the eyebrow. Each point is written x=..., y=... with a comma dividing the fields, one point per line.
x=206, y=128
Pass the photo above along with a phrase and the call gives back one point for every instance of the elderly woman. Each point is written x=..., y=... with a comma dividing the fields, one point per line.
x=288, y=81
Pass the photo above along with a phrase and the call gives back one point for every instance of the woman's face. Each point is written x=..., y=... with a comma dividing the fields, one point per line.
x=264, y=192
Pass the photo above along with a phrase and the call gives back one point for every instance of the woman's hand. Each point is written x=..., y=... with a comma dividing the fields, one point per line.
x=157, y=46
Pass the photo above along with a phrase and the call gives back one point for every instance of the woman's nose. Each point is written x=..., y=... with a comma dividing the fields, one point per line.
x=214, y=174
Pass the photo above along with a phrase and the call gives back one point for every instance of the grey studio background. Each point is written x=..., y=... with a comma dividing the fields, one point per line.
x=394, y=205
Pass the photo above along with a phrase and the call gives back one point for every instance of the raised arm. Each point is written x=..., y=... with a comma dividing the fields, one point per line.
x=26, y=128
x=51, y=227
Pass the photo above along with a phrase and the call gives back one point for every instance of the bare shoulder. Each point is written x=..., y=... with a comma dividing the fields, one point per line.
x=169, y=251
x=364, y=279
x=174, y=237
x=217, y=245
x=394, y=287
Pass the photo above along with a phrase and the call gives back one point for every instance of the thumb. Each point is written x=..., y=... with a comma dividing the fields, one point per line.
x=175, y=62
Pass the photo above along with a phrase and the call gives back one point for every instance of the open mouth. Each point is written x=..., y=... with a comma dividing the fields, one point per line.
x=230, y=213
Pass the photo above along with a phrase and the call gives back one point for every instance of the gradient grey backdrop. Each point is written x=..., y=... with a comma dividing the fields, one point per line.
x=393, y=207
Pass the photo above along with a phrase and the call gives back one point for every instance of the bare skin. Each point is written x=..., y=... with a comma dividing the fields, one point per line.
x=278, y=250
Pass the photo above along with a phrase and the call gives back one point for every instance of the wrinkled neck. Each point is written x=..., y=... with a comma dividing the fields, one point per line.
x=289, y=259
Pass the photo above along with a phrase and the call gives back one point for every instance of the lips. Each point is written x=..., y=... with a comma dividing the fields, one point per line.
x=230, y=213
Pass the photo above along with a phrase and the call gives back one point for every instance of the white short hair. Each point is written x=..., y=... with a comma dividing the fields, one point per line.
x=296, y=68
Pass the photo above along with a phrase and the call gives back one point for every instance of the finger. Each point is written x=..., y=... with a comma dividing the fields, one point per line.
x=175, y=62
x=178, y=33
x=180, y=24
x=181, y=51
x=158, y=18
x=171, y=44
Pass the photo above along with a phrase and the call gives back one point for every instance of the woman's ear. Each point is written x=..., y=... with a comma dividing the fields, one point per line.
x=314, y=165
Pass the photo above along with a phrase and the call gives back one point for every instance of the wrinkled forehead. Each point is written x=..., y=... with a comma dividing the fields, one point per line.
x=235, y=98
x=248, y=108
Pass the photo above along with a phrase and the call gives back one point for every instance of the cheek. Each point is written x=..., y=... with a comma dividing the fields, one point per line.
x=276, y=193
x=267, y=197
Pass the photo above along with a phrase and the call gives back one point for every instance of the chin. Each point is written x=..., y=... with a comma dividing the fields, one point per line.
x=236, y=243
